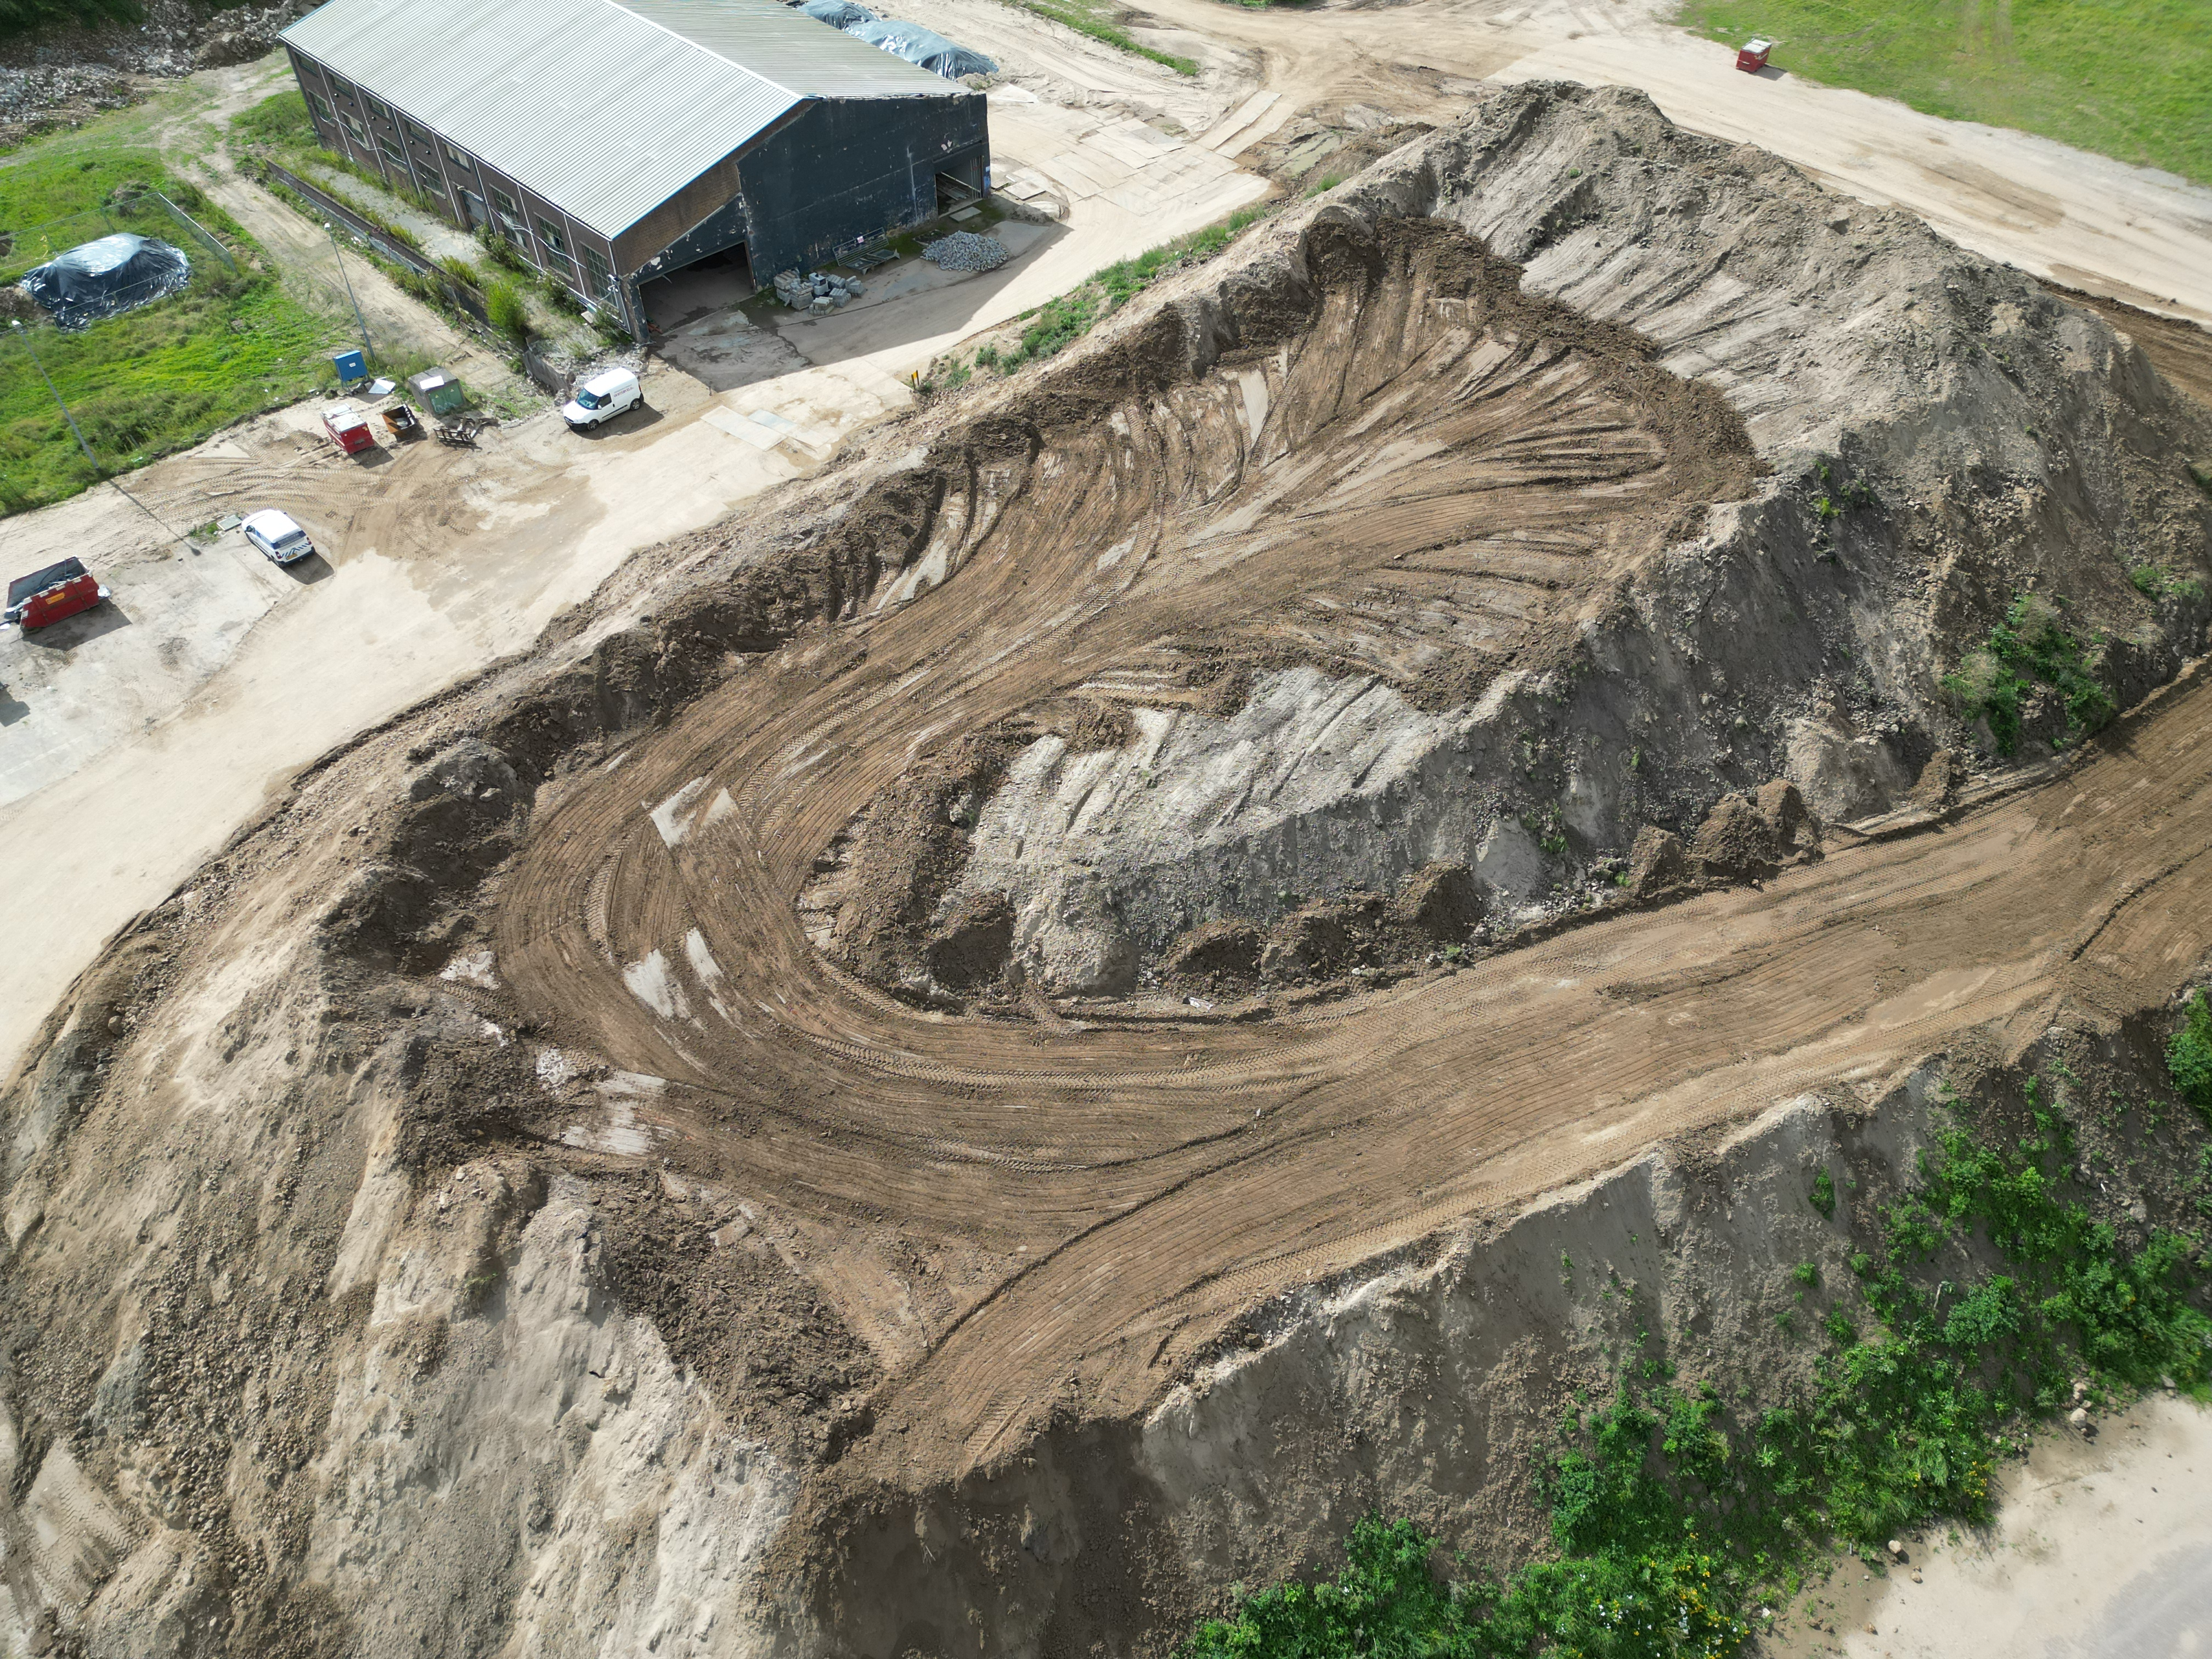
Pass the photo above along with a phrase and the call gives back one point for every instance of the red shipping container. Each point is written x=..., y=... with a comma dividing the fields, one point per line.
x=46, y=595
x=1752, y=58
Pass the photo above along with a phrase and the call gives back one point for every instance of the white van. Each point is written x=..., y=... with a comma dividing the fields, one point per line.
x=604, y=396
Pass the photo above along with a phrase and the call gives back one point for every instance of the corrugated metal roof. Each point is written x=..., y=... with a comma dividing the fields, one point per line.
x=606, y=109
x=784, y=45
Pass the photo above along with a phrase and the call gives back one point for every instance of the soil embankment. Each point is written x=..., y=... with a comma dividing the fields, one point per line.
x=474, y=1212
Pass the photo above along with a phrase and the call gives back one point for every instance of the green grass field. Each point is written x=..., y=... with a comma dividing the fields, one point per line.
x=156, y=379
x=2129, y=78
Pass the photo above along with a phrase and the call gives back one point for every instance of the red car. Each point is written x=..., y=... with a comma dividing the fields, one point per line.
x=46, y=595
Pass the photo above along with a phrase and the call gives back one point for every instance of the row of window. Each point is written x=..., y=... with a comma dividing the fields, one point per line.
x=551, y=238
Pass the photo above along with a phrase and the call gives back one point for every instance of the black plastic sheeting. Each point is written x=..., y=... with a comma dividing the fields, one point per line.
x=837, y=13
x=933, y=51
x=106, y=279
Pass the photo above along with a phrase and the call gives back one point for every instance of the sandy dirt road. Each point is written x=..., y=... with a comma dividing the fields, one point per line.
x=1151, y=1172
x=2127, y=233
x=1165, y=1172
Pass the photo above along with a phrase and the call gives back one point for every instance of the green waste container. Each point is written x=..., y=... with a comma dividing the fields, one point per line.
x=439, y=392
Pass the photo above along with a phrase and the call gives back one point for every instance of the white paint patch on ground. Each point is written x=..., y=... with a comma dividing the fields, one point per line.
x=700, y=958
x=555, y=1069
x=669, y=817
x=471, y=968
x=620, y=1136
x=652, y=984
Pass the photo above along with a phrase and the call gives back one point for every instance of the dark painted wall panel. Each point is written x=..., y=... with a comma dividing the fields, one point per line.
x=850, y=169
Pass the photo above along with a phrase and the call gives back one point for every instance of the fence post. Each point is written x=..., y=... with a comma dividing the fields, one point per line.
x=198, y=230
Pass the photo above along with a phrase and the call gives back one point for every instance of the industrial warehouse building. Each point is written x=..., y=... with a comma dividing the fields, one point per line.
x=615, y=145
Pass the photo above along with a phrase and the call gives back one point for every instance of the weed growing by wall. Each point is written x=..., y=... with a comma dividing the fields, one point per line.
x=2189, y=1054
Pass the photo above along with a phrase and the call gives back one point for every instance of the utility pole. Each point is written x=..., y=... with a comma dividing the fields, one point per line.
x=367, y=349
x=16, y=324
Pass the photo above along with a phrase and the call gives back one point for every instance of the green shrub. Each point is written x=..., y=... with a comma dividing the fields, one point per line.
x=2189, y=1054
x=503, y=304
x=2030, y=646
x=1672, y=1509
x=1823, y=1195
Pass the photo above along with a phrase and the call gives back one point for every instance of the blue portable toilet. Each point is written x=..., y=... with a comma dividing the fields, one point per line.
x=351, y=366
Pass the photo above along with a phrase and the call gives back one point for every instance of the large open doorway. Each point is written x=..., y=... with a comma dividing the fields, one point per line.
x=690, y=292
x=960, y=188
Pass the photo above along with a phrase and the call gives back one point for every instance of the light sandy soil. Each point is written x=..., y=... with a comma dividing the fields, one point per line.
x=2100, y=1550
x=1023, y=1219
x=1069, y=112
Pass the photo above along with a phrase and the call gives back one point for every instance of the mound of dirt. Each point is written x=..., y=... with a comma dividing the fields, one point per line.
x=1442, y=902
x=1215, y=951
x=1800, y=595
x=495, y=1206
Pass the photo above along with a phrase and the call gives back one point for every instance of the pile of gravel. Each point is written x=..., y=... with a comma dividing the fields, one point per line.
x=964, y=250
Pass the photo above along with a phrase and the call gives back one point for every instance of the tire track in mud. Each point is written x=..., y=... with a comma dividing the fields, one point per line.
x=1165, y=1172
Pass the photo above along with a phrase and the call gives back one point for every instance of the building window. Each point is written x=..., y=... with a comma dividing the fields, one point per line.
x=416, y=133
x=430, y=181
x=352, y=125
x=376, y=111
x=456, y=157
x=601, y=273
x=549, y=233
x=342, y=87
x=392, y=153
x=322, y=107
x=510, y=218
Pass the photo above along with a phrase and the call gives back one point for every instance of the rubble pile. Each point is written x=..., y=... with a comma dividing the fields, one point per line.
x=965, y=250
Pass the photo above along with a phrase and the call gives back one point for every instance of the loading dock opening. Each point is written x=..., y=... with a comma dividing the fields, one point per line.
x=724, y=278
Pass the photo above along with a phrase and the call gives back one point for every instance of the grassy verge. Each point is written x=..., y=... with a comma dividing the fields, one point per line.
x=278, y=130
x=1084, y=19
x=1675, y=1511
x=156, y=379
x=1059, y=324
x=2128, y=78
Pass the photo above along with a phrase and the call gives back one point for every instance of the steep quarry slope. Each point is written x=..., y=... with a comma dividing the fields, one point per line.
x=477, y=1217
